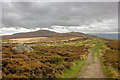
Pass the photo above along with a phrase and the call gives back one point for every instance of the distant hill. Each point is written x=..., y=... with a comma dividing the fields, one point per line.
x=43, y=33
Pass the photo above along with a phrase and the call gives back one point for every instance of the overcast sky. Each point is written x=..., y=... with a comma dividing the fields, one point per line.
x=86, y=17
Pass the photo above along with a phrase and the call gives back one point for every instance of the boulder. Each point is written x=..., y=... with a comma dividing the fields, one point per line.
x=21, y=47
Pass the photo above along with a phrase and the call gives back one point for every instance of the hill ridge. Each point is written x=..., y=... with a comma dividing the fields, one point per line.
x=43, y=33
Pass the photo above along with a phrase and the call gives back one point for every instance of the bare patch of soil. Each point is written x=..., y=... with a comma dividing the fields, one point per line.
x=92, y=69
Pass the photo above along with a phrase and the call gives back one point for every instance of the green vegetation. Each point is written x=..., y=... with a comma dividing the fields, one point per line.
x=96, y=49
x=57, y=59
x=45, y=61
x=107, y=54
x=93, y=57
x=74, y=71
x=107, y=71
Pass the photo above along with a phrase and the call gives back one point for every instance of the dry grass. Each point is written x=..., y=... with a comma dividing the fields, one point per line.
x=27, y=40
x=39, y=39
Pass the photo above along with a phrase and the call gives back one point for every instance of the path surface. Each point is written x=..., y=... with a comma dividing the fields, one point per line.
x=90, y=69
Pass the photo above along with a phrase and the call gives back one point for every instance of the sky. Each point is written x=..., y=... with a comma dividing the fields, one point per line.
x=62, y=17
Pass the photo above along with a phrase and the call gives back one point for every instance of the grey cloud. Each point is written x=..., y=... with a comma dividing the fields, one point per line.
x=46, y=14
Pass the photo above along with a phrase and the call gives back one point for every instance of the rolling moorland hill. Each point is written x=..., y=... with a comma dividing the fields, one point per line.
x=61, y=60
x=48, y=54
x=44, y=33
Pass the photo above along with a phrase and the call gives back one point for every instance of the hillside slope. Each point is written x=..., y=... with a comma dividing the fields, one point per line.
x=43, y=33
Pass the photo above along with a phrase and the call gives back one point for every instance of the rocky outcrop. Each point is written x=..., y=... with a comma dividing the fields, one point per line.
x=22, y=47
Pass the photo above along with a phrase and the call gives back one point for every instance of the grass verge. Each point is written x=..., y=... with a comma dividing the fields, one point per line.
x=96, y=49
x=74, y=71
x=93, y=54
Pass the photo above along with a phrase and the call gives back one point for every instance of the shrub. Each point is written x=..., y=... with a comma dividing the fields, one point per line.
x=57, y=59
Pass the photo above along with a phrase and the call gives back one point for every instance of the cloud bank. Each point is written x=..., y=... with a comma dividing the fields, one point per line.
x=87, y=17
x=13, y=30
x=95, y=27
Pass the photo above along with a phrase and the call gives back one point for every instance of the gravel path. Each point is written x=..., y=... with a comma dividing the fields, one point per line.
x=92, y=70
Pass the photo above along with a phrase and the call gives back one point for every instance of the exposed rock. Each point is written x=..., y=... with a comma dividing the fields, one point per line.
x=23, y=47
